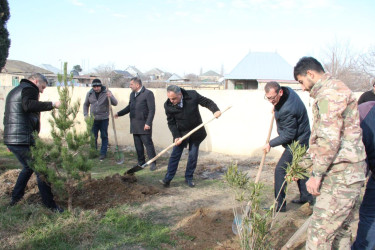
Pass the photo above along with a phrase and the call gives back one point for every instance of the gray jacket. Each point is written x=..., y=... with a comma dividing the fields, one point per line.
x=99, y=106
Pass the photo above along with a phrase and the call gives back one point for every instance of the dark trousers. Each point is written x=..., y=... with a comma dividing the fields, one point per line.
x=280, y=172
x=366, y=226
x=23, y=155
x=141, y=141
x=175, y=158
x=102, y=126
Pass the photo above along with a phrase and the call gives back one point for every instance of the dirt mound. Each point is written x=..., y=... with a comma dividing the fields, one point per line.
x=99, y=194
x=111, y=191
x=8, y=180
x=207, y=229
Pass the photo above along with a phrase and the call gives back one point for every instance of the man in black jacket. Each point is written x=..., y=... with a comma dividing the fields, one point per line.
x=142, y=111
x=366, y=226
x=292, y=125
x=21, y=119
x=182, y=110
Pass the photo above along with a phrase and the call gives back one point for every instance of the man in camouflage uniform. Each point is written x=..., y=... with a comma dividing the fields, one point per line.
x=336, y=155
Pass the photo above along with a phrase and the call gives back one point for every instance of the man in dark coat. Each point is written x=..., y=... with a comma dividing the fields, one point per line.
x=182, y=110
x=142, y=111
x=366, y=226
x=292, y=125
x=21, y=119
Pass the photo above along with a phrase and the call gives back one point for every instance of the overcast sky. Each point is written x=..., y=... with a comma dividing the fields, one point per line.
x=182, y=36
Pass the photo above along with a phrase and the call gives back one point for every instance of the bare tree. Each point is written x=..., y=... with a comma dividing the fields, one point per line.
x=345, y=65
x=367, y=62
x=104, y=72
x=192, y=77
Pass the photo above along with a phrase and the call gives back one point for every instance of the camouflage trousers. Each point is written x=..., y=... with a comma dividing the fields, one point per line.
x=333, y=212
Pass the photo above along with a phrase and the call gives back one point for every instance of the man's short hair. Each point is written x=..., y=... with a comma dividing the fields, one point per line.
x=137, y=80
x=272, y=85
x=307, y=63
x=173, y=88
x=96, y=82
x=39, y=77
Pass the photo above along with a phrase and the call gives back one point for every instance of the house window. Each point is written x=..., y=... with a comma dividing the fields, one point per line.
x=15, y=81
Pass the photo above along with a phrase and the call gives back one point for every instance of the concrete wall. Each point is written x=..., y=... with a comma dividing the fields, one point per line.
x=242, y=130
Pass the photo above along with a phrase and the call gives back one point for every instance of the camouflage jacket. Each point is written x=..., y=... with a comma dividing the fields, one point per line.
x=336, y=136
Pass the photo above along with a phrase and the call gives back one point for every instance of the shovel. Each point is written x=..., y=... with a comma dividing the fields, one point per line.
x=237, y=221
x=138, y=168
x=119, y=156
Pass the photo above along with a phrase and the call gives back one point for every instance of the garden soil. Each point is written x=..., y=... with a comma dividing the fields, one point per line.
x=200, y=217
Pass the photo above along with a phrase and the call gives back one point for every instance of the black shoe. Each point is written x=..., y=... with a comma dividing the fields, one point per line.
x=165, y=183
x=153, y=166
x=190, y=183
x=299, y=201
x=12, y=203
x=57, y=209
x=101, y=157
x=282, y=210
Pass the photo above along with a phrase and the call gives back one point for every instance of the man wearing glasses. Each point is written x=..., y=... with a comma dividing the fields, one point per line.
x=292, y=125
x=97, y=100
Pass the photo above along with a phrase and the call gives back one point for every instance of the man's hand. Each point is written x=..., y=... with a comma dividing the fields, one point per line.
x=109, y=93
x=147, y=127
x=217, y=114
x=267, y=148
x=177, y=141
x=116, y=116
x=313, y=185
x=56, y=104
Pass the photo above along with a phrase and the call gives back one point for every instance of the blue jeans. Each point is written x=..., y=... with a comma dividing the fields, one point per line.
x=102, y=126
x=175, y=158
x=23, y=155
x=366, y=226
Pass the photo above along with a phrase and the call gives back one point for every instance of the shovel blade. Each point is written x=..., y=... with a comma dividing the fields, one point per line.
x=119, y=157
x=134, y=169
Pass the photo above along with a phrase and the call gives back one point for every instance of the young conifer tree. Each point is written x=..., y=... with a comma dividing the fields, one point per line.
x=64, y=160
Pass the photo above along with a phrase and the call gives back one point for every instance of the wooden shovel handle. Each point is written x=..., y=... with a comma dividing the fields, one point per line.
x=112, y=118
x=265, y=153
x=183, y=138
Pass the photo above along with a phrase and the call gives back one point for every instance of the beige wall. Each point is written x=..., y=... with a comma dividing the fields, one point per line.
x=242, y=130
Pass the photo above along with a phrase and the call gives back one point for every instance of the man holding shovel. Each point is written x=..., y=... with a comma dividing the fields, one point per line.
x=292, y=125
x=182, y=110
x=97, y=101
x=142, y=111
x=336, y=156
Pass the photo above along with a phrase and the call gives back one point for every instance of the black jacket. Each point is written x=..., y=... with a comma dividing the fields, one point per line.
x=142, y=111
x=366, y=97
x=368, y=129
x=22, y=114
x=182, y=120
x=291, y=119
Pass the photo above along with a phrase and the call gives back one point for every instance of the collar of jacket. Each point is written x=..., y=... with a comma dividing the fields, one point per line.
x=283, y=98
x=142, y=90
x=28, y=82
x=319, y=84
x=103, y=90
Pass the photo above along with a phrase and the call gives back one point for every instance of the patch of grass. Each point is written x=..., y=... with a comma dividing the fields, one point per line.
x=4, y=153
x=36, y=227
x=129, y=229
